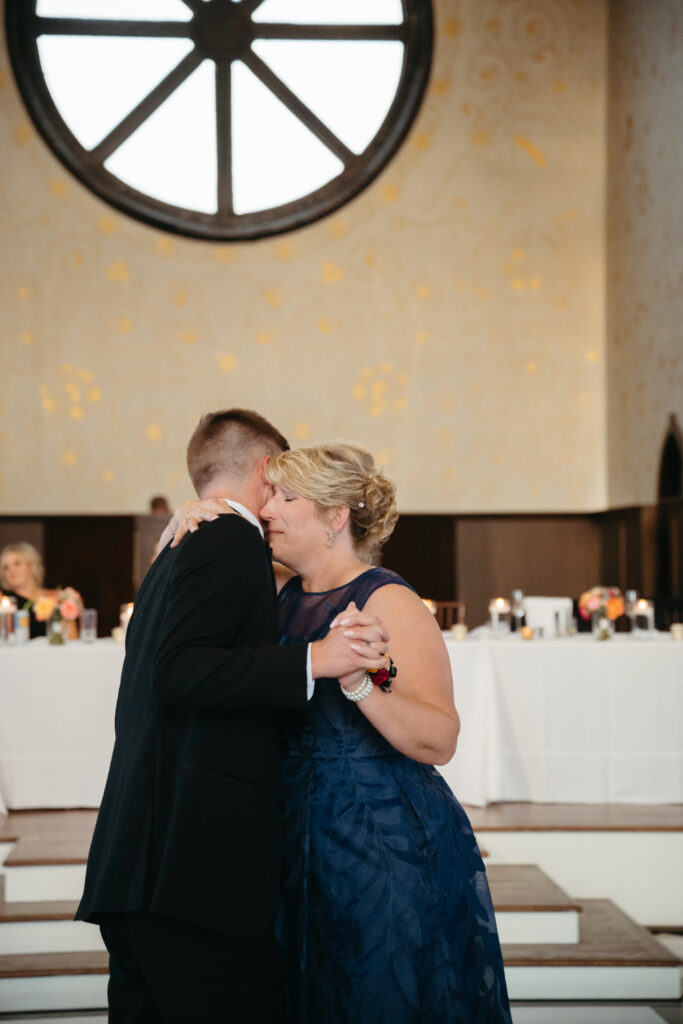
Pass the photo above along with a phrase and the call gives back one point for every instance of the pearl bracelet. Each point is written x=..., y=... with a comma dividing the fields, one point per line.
x=361, y=692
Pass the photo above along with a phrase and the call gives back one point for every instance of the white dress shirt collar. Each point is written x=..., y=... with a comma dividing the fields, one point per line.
x=245, y=513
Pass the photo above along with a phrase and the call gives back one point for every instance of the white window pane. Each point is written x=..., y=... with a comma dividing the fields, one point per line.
x=172, y=156
x=96, y=81
x=137, y=10
x=348, y=85
x=275, y=159
x=331, y=12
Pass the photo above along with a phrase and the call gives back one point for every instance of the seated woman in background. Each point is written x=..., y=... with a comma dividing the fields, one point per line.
x=21, y=578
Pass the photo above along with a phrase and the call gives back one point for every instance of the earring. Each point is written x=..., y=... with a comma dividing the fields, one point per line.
x=330, y=538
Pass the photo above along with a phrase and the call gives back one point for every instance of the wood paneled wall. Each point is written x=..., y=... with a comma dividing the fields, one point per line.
x=468, y=558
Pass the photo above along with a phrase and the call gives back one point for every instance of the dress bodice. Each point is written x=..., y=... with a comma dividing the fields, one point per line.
x=330, y=726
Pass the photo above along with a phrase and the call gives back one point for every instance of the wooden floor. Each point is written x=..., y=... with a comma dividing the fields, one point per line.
x=63, y=837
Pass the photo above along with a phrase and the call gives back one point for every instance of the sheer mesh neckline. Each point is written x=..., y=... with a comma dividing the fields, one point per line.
x=321, y=593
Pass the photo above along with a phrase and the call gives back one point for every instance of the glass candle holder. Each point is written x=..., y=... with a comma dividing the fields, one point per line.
x=644, y=619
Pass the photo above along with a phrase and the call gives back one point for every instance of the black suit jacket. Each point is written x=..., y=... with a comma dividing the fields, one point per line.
x=189, y=824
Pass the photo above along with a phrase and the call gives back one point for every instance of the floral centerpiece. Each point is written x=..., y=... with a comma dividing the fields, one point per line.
x=602, y=605
x=65, y=605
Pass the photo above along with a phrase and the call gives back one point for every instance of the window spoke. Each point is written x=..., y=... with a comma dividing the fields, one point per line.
x=110, y=27
x=299, y=109
x=353, y=33
x=146, y=108
x=224, y=138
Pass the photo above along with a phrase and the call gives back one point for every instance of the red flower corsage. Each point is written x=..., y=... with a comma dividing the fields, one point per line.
x=382, y=676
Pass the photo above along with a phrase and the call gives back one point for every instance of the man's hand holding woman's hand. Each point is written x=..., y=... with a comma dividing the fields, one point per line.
x=355, y=643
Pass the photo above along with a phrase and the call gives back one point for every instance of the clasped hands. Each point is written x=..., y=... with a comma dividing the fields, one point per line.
x=356, y=641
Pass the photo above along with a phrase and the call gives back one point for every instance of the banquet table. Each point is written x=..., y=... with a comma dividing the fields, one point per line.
x=557, y=721
x=568, y=720
x=57, y=722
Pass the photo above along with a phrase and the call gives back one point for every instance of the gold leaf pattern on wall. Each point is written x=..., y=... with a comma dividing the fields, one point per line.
x=189, y=337
x=381, y=387
x=179, y=298
x=454, y=208
x=78, y=259
x=76, y=413
x=108, y=475
x=422, y=141
x=59, y=189
x=225, y=255
x=275, y=297
x=69, y=458
x=533, y=151
x=23, y=292
x=22, y=134
x=338, y=228
x=452, y=28
x=284, y=251
x=227, y=363
x=154, y=432
x=27, y=337
x=331, y=273
x=263, y=337
x=166, y=246
x=107, y=225
x=389, y=193
x=441, y=86
x=118, y=271
x=94, y=395
x=302, y=430
x=593, y=355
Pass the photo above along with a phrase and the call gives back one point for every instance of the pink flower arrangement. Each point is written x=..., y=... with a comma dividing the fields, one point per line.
x=67, y=602
x=607, y=601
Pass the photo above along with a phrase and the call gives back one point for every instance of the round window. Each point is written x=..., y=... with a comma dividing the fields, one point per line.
x=222, y=119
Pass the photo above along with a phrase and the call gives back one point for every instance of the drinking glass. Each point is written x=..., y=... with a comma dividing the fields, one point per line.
x=89, y=625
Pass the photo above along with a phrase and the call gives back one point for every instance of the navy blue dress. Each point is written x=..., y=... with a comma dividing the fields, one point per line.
x=386, y=916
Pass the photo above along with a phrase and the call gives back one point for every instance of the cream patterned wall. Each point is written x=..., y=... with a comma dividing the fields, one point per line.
x=645, y=250
x=452, y=317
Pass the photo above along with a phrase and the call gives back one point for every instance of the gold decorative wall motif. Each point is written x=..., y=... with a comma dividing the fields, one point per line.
x=451, y=317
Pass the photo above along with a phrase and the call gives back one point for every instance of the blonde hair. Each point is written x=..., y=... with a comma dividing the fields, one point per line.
x=342, y=474
x=30, y=556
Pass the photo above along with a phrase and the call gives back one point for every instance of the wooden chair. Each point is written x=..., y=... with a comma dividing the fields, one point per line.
x=449, y=612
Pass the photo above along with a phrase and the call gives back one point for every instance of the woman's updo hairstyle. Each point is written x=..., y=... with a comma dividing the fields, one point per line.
x=341, y=474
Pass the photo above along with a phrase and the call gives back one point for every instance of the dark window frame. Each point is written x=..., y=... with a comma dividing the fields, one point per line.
x=416, y=32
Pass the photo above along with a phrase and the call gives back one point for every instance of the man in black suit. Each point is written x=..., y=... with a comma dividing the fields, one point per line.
x=183, y=870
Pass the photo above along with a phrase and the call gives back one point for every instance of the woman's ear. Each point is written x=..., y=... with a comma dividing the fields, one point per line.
x=339, y=517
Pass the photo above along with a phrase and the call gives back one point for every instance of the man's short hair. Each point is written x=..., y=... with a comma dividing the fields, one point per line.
x=228, y=444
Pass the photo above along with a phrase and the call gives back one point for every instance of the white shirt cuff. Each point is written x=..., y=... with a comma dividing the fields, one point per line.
x=310, y=681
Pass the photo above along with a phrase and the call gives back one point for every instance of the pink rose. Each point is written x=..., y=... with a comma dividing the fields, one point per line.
x=69, y=610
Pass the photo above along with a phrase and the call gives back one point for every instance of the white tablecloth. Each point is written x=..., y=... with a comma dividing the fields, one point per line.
x=57, y=722
x=552, y=721
x=568, y=720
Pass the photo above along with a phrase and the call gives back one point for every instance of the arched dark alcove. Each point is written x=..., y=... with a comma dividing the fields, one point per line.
x=669, y=603
x=670, y=483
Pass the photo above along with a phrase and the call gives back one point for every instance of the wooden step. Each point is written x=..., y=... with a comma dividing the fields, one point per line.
x=26, y=910
x=530, y=907
x=54, y=981
x=615, y=958
x=43, y=965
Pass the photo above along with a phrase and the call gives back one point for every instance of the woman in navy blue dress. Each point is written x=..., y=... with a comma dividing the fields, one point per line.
x=386, y=916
